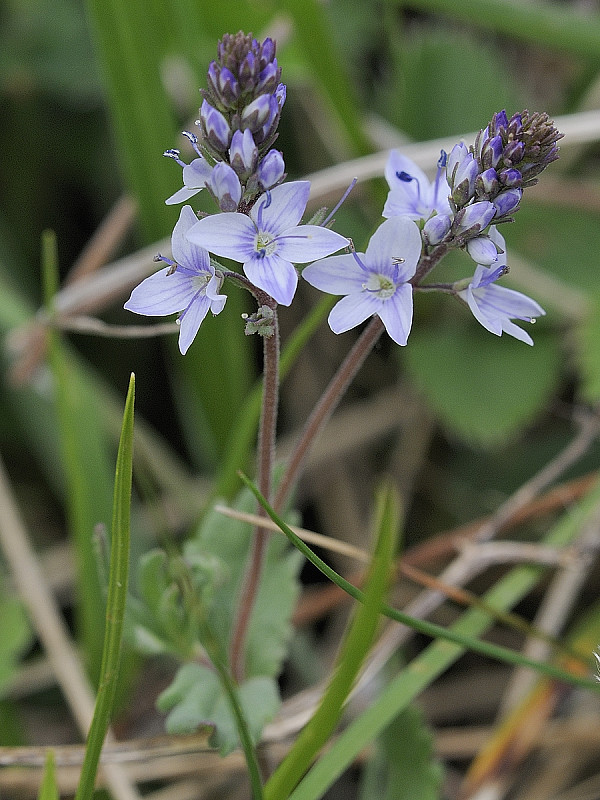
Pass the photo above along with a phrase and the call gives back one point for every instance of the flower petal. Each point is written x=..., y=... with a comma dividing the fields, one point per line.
x=161, y=294
x=514, y=330
x=508, y=303
x=309, y=242
x=191, y=321
x=181, y=195
x=396, y=238
x=282, y=207
x=336, y=274
x=351, y=310
x=273, y=275
x=184, y=252
x=396, y=314
x=229, y=234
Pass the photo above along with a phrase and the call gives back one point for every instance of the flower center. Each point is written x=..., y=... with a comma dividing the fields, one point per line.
x=265, y=245
x=200, y=282
x=381, y=285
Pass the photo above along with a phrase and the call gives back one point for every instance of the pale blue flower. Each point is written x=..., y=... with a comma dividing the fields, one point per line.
x=188, y=285
x=495, y=306
x=411, y=193
x=269, y=239
x=375, y=282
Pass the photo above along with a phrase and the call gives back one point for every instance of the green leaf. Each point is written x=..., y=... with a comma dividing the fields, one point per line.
x=587, y=351
x=196, y=698
x=15, y=637
x=228, y=542
x=115, y=604
x=483, y=388
x=403, y=766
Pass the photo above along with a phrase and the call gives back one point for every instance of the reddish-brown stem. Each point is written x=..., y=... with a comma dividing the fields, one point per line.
x=260, y=538
x=327, y=404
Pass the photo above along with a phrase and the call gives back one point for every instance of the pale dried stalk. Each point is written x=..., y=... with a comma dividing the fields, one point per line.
x=50, y=627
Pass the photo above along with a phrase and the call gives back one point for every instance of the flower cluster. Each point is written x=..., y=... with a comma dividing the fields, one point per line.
x=259, y=226
x=237, y=126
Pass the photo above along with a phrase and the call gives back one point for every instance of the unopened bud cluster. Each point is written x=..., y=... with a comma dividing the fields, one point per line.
x=486, y=180
x=237, y=126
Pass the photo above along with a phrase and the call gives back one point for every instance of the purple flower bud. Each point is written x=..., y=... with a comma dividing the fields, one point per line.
x=500, y=120
x=255, y=115
x=225, y=186
x=514, y=152
x=510, y=177
x=228, y=87
x=462, y=169
x=243, y=153
x=267, y=80
x=482, y=250
x=271, y=170
x=487, y=182
x=507, y=202
x=491, y=152
x=280, y=94
x=248, y=71
x=477, y=216
x=215, y=127
x=270, y=125
x=436, y=228
x=267, y=53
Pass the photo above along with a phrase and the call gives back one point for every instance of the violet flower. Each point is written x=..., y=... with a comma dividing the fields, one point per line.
x=188, y=285
x=269, y=239
x=374, y=282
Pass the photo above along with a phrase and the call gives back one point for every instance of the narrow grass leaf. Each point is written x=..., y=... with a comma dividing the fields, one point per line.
x=115, y=606
x=49, y=786
x=354, y=648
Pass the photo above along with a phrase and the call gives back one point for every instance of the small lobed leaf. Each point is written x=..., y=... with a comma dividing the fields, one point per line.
x=196, y=698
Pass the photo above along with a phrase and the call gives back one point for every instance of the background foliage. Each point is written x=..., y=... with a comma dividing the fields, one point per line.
x=92, y=93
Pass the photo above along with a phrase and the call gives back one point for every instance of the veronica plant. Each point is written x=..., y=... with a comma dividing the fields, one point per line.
x=258, y=224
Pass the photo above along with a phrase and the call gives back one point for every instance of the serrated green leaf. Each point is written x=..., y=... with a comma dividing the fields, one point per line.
x=404, y=765
x=587, y=350
x=483, y=388
x=228, y=541
x=196, y=698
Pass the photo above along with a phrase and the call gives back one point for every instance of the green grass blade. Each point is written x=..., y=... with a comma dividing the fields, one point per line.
x=87, y=470
x=354, y=649
x=49, y=787
x=454, y=635
x=115, y=605
x=548, y=24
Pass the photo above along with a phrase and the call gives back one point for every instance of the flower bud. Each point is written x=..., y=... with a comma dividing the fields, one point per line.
x=482, y=250
x=243, y=153
x=487, y=182
x=491, y=152
x=462, y=170
x=507, y=202
x=257, y=113
x=215, y=127
x=268, y=78
x=510, y=177
x=271, y=170
x=436, y=228
x=225, y=186
x=513, y=152
x=477, y=216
